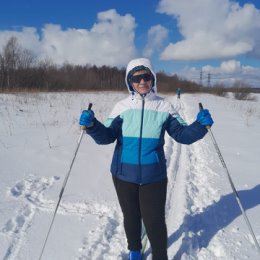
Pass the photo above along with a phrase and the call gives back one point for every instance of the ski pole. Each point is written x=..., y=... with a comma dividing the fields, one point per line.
x=64, y=184
x=232, y=184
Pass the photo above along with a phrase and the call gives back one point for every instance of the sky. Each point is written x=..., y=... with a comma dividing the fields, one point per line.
x=208, y=41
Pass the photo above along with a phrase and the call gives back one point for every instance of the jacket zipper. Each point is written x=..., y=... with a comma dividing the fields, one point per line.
x=140, y=139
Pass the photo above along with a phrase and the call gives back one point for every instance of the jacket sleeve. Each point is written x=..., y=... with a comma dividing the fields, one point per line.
x=105, y=135
x=182, y=133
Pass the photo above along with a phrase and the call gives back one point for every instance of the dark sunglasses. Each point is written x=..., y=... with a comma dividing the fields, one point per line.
x=138, y=78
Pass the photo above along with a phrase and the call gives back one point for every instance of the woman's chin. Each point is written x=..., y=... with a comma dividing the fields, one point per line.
x=143, y=91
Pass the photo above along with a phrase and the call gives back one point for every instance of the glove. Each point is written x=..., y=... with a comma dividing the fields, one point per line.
x=86, y=118
x=204, y=118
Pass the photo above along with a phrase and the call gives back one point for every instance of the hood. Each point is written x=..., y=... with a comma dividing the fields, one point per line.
x=135, y=65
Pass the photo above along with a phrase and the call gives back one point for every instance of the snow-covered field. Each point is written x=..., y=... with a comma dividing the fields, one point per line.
x=38, y=137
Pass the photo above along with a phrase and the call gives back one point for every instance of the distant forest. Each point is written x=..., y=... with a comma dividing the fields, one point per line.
x=21, y=71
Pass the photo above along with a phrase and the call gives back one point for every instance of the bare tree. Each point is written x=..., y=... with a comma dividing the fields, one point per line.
x=26, y=59
x=2, y=74
x=10, y=59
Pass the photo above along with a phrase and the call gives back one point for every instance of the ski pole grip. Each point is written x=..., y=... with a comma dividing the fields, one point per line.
x=201, y=107
x=90, y=106
x=82, y=127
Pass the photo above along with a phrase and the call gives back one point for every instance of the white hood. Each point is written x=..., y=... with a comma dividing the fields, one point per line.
x=140, y=62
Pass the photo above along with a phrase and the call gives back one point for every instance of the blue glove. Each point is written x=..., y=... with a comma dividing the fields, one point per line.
x=86, y=118
x=204, y=118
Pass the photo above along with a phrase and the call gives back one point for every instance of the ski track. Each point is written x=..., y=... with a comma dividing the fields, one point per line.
x=190, y=175
x=195, y=220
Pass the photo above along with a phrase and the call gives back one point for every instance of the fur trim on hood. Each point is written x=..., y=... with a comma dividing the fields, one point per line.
x=136, y=65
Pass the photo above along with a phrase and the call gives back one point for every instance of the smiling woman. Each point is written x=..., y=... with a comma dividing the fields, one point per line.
x=142, y=81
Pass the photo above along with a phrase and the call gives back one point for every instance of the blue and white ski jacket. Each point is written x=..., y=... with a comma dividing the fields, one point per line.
x=138, y=124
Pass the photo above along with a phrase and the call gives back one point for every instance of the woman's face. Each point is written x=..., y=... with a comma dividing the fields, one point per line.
x=142, y=81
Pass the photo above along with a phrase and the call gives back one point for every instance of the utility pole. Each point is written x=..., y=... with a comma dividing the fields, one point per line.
x=209, y=76
x=201, y=77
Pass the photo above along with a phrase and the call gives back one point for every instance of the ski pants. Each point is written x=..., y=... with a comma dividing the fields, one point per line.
x=145, y=202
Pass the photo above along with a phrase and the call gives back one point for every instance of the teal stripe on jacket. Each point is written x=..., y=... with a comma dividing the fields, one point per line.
x=152, y=121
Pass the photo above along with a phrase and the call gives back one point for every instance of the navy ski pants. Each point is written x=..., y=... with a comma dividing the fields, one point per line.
x=145, y=202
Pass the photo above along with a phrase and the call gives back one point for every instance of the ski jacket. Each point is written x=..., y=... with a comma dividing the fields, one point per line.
x=138, y=124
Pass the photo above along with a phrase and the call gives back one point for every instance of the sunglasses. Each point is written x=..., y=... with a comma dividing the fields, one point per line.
x=138, y=78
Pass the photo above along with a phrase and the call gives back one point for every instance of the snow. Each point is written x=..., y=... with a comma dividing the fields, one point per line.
x=38, y=137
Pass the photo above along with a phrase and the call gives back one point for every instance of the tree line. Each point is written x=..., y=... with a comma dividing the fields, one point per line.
x=20, y=70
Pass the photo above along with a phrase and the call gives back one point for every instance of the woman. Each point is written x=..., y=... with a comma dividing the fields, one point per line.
x=138, y=124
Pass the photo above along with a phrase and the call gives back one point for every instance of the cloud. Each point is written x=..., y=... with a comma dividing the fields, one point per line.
x=27, y=38
x=110, y=41
x=156, y=35
x=212, y=29
x=227, y=73
x=230, y=66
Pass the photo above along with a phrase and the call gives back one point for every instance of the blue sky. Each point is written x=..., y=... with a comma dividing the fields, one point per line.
x=217, y=37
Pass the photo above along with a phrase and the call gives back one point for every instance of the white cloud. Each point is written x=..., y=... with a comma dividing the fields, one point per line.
x=27, y=38
x=231, y=66
x=212, y=29
x=110, y=41
x=228, y=72
x=156, y=35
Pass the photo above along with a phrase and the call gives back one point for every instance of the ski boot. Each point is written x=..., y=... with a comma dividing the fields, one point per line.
x=135, y=255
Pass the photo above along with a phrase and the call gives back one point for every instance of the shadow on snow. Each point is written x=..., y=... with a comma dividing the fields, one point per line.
x=200, y=228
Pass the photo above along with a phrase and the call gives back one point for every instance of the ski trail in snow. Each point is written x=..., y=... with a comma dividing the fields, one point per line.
x=191, y=189
x=177, y=202
x=202, y=218
x=188, y=172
